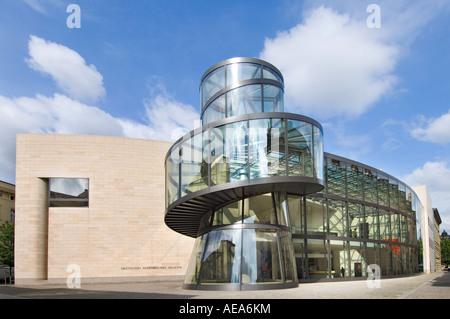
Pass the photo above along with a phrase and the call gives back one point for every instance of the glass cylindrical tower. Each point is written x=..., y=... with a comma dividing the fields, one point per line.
x=240, y=86
x=227, y=181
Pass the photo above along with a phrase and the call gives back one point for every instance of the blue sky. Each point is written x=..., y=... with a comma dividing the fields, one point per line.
x=133, y=69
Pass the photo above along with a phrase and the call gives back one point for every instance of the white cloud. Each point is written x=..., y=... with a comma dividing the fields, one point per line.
x=401, y=20
x=36, y=5
x=165, y=118
x=40, y=5
x=340, y=142
x=436, y=175
x=433, y=130
x=332, y=64
x=67, y=68
x=57, y=114
x=169, y=118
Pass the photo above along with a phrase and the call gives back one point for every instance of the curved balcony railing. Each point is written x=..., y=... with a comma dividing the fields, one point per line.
x=241, y=156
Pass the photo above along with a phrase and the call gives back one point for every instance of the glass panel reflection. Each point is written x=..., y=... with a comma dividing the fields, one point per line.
x=212, y=84
x=358, y=264
x=215, y=111
x=69, y=192
x=404, y=238
x=299, y=135
x=273, y=99
x=259, y=210
x=318, y=153
x=272, y=75
x=354, y=181
x=372, y=255
x=301, y=261
x=296, y=219
x=337, y=219
x=244, y=100
x=317, y=259
x=261, y=257
x=172, y=176
x=385, y=225
x=194, y=171
x=287, y=249
x=409, y=199
x=229, y=153
x=230, y=214
x=358, y=226
x=395, y=227
x=195, y=261
x=316, y=217
x=267, y=148
x=281, y=207
x=393, y=193
x=371, y=214
x=370, y=186
x=385, y=259
x=383, y=190
x=237, y=72
x=402, y=197
x=336, y=177
x=221, y=262
x=340, y=265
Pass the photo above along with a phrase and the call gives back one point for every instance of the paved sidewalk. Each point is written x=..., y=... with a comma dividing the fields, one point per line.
x=430, y=286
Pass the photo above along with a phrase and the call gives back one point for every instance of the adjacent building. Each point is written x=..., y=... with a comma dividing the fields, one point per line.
x=7, y=202
x=437, y=239
x=249, y=200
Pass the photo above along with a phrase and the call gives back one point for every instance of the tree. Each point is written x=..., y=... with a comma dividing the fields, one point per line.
x=445, y=249
x=7, y=244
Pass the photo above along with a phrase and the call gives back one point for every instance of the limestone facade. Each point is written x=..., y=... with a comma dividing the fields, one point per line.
x=120, y=236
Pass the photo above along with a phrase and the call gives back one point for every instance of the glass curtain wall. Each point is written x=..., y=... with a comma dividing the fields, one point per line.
x=267, y=148
x=364, y=216
x=229, y=154
x=243, y=150
x=248, y=243
x=333, y=236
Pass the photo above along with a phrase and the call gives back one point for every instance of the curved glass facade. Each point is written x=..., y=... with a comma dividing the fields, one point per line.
x=268, y=207
x=248, y=243
x=335, y=234
x=242, y=150
x=363, y=217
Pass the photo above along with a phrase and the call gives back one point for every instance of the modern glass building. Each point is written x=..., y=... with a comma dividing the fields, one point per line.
x=268, y=207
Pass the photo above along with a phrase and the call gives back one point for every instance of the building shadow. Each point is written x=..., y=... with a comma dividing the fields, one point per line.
x=443, y=280
x=14, y=292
